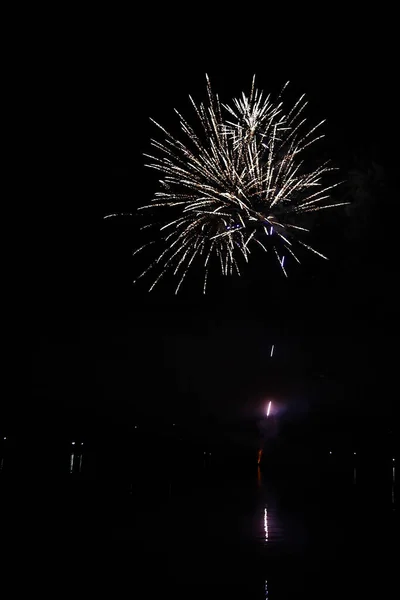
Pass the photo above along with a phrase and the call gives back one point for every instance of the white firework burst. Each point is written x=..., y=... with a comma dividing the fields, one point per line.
x=235, y=180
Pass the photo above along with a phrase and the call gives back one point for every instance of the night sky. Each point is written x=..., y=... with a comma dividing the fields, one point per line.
x=101, y=345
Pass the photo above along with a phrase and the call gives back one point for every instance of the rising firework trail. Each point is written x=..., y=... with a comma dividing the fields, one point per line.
x=233, y=181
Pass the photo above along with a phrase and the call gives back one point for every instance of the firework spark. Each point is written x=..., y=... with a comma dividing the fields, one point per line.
x=235, y=181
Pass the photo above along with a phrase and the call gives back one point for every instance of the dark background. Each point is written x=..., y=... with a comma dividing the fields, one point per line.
x=104, y=356
x=103, y=348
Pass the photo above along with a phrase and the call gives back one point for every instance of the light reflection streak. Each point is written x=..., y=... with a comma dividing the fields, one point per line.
x=393, y=482
x=266, y=589
x=71, y=463
x=80, y=463
x=266, y=524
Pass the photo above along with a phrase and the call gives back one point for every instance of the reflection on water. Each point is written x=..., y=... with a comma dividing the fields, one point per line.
x=75, y=463
x=266, y=523
x=393, y=482
x=267, y=529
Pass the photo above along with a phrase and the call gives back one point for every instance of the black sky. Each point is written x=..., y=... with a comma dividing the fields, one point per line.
x=99, y=342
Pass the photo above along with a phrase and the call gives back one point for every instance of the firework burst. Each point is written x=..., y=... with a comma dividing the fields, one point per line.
x=235, y=180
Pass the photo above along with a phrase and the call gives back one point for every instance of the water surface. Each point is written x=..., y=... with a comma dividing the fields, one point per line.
x=204, y=531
